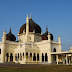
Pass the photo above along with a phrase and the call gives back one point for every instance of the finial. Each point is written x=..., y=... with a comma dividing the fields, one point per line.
x=27, y=15
x=48, y=33
x=4, y=30
x=59, y=36
x=10, y=30
x=31, y=15
x=46, y=28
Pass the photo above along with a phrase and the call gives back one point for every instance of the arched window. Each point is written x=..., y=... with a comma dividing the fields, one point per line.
x=54, y=50
x=46, y=57
x=0, y=51
x=34, y=57
x=42, y=57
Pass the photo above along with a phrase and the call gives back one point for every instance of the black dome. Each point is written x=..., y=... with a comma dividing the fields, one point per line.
x=44, y=36
x=32, y=26
x=10, y=36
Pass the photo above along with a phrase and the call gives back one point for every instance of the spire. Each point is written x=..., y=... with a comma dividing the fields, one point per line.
x=10, y=30
x=27, y=16
x=46, y=28
x=59, y=36
x=4, y=30
x=31, y=16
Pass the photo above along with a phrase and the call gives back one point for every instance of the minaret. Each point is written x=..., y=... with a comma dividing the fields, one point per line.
x=49, y=47
x=59, y=41
x=49, y=37
x=27, y=25
x=31, y=16
x=27, y=29
x=10, y=30
x=4, y=36
x=3, y=47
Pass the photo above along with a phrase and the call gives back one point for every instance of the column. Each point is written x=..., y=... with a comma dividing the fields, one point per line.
x=69, y=61
x=24, y=57
x=32, y=56
x=40, y=55
x=9, y=58
x=28, y=57
x=36, y=57
x=57, y=58
x=13, y=57
x=66, y=60
x=63, y=59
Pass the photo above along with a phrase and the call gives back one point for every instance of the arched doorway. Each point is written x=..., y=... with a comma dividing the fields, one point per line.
x=54, y=56
x=46, y=57
x=11, y=57
x=34, y=57
x=42, y=57
x=7, y=55
x=37, y=57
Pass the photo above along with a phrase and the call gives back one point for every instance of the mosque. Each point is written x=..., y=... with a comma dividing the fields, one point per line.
x=32, y=46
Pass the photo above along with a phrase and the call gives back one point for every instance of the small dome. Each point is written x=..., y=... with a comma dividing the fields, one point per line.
x=32, y=26
x=44, y=36
x=10, y=36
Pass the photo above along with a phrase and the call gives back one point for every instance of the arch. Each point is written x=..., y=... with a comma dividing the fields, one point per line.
x=11, y=57
x=46, y=57
x=37, y=57
x=26, y=56
x=7, y=55
x=54, y=50
x=30, y=56
x=18, y=55
x=42, y=57
x=0, y=51
x=23, y=53
x=34, y=57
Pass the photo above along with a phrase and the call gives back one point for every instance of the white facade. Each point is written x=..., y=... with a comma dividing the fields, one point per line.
x=31, y=49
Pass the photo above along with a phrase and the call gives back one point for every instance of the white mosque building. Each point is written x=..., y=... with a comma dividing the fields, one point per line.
x=32, y=47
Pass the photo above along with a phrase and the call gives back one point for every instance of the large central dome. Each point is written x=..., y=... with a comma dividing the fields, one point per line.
x=32, y=26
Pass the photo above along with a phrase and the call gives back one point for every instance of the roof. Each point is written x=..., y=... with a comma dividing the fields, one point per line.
x=32, y=26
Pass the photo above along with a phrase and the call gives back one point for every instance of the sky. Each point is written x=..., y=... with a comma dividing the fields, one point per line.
x=56, y=14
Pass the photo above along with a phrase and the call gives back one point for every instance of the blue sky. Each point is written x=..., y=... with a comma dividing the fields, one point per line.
x=57, y=14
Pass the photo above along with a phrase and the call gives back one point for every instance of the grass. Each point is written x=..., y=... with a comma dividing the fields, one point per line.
x=47, y=68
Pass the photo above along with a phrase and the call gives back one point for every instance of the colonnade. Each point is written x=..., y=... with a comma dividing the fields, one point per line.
x=65, y=59
x=26, y=57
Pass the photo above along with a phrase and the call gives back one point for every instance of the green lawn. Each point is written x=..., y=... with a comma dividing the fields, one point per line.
x=47, y=68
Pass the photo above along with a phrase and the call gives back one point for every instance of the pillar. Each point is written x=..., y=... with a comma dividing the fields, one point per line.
x=32, y=56
x=25, y=57
x=13, y=57
x=40, y=57
x=36, y=56
x=28, y=57
x=9, y=58
x=57, y=58
x=63, y=60
x=66, y=59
